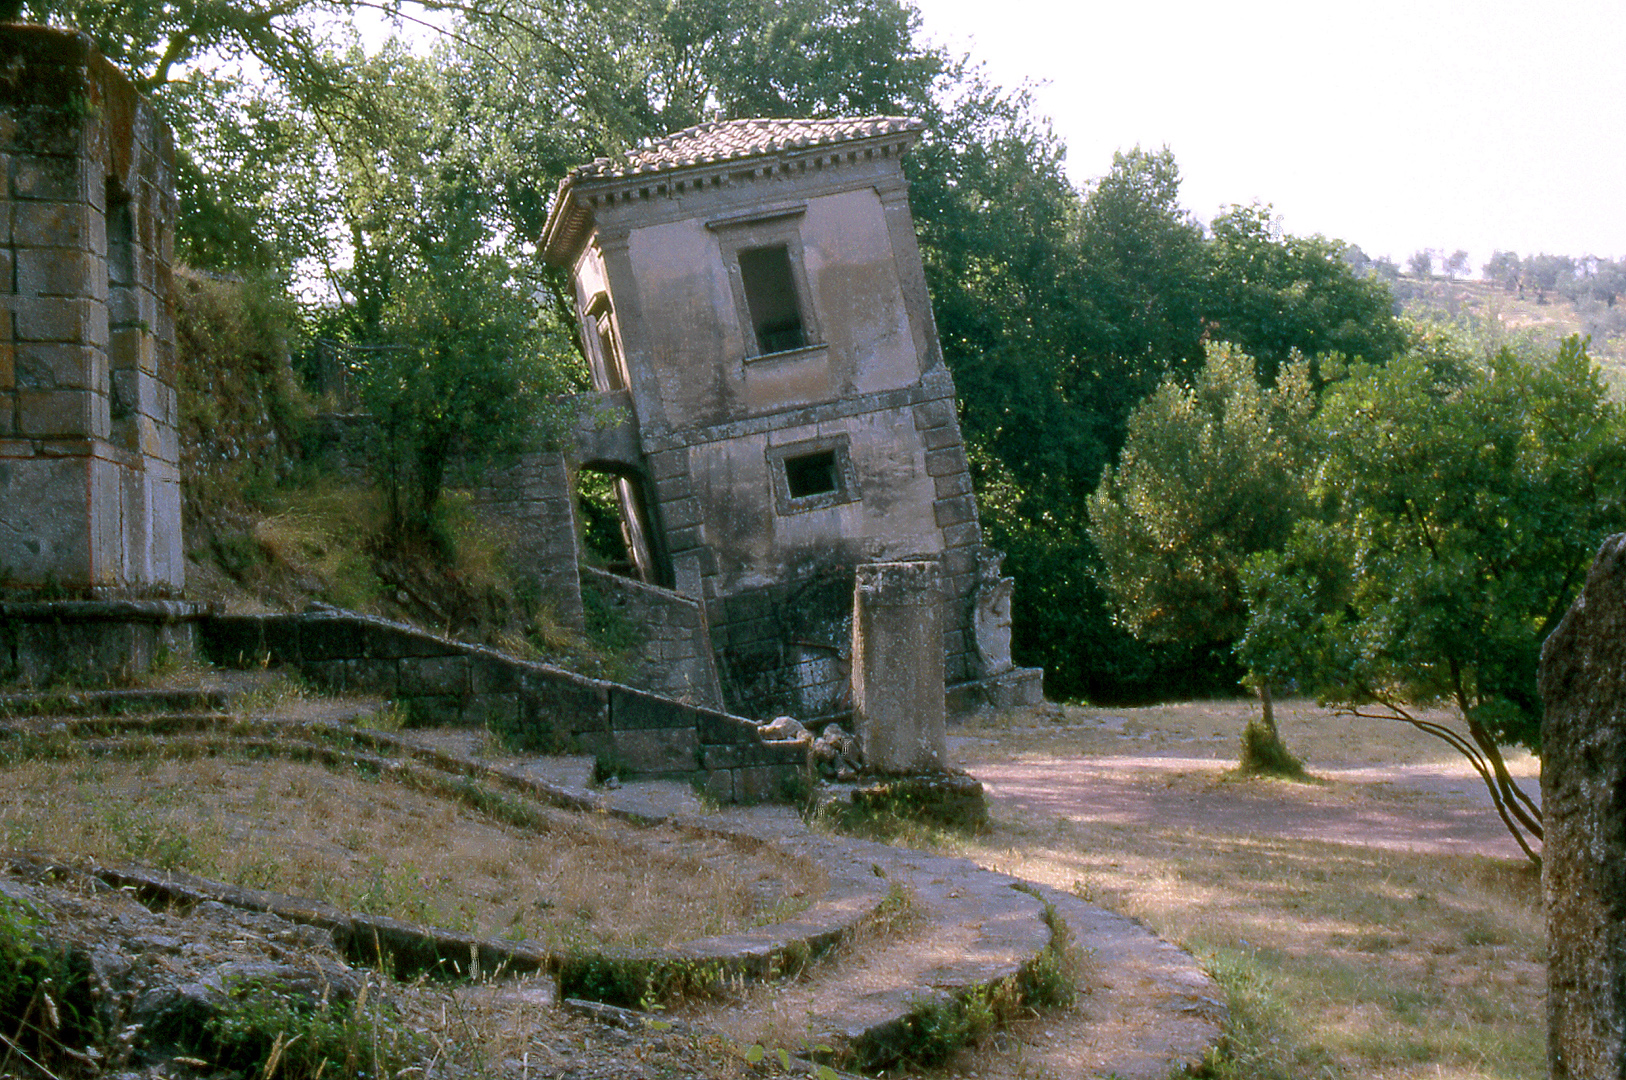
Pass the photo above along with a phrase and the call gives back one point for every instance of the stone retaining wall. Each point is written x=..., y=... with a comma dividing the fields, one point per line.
x=675, y=658
x=540, y=708
x=45, y=642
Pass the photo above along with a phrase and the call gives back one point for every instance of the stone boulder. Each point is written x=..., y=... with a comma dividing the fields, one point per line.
x=1583, y=792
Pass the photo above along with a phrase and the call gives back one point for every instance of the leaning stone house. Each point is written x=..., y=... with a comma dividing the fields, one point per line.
x=772, y=398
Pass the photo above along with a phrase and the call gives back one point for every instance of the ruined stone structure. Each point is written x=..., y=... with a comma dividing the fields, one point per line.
x=90, y=486
x=90, y=497
x=1583, y=800
x=772, y=397
x=897, y=678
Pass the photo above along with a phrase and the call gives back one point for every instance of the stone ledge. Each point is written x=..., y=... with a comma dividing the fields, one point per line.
x=445, y=682
x=150, y=611
x=1007, y=690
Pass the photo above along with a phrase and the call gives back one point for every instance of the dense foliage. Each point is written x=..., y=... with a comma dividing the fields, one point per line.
x=404, y=197
x=1459, y=504
x=1210, y=474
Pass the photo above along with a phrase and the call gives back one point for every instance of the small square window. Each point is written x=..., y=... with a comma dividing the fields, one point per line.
x=770, y=294
x=812, y=475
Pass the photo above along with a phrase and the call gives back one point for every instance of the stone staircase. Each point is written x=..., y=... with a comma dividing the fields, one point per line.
x=872, y=985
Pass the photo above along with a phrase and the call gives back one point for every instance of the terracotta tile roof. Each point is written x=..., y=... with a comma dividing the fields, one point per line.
x=729, y=140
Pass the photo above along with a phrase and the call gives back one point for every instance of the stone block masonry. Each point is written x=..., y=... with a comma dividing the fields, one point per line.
x=529, y=502
x=90, y=498
x=533, y=706
x=1583, y=799
x=675, y=659
x=80, y=641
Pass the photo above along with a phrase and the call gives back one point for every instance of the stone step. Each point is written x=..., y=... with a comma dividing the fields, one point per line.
x=1150, y=1010
x=874, y=1002
x=874, y=996
x=111, y=702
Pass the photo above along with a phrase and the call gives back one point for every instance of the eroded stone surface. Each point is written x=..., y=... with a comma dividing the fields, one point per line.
x=1583, y=792
x=897, y=671
x=90, y=491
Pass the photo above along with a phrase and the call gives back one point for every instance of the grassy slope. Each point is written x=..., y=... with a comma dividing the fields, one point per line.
x=1547, y=321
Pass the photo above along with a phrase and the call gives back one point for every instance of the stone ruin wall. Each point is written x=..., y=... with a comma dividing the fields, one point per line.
x=90, y=499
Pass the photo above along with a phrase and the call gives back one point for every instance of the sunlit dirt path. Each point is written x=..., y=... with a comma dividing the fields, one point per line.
x=1437, y=808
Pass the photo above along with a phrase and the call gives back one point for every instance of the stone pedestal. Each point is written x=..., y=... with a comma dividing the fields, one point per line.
x=897, y=666
x=81, y=642
x=90, y=496
x=1583, y=793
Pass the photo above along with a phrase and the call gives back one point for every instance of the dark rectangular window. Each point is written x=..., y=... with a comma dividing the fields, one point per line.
x=812, y=474
x=770, y=293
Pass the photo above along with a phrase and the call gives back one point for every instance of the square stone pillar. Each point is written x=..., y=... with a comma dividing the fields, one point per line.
x=90, y=495
x=897, y=666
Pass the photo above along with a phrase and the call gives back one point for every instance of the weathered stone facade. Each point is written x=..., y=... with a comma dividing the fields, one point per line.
x=89, y=459
x=1583, y=800
x=755, y=311
x=675, y=659
x=529, y=504
x=90, y=641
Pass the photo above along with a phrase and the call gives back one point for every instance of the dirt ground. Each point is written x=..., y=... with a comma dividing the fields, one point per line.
x=1378, y=922
x=1378, y=784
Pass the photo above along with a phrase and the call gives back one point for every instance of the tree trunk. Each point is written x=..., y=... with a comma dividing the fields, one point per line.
x=1267, y=712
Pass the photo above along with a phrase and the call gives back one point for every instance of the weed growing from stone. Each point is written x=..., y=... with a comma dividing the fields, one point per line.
x=45, y=1004
x=271, y=1033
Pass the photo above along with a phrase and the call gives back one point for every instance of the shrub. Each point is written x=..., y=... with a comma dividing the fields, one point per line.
x=45, y=1003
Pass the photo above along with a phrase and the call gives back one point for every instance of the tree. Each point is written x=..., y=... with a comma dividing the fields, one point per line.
x=1460, y=506
x=1549, y=273
x=1276, y=294
x=1421, y=263
x=462, y=353
x=1455, y=264
x=1606, y=280
x=1210, y=475
x=1505, y=269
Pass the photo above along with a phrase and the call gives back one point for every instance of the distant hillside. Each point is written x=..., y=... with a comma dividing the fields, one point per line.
x=1548, y=320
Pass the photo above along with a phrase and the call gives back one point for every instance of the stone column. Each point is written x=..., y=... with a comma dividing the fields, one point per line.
x=1583, y=794
x=897, y=666
x=90, y=496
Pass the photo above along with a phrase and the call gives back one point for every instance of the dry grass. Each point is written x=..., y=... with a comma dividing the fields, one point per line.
x=1506, y=317
x=1339, y=959
x=378, y=846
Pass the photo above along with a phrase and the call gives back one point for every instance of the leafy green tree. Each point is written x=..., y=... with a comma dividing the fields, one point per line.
x=1275, y=294
x=1421, y=263
x=1142, y=276
x=1461, y=504
x=1455, y=264
x=462, y=353
x=1211, y=473
x=1549, y=273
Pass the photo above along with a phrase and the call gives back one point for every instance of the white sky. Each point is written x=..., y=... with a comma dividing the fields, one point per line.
x=1392, y=124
